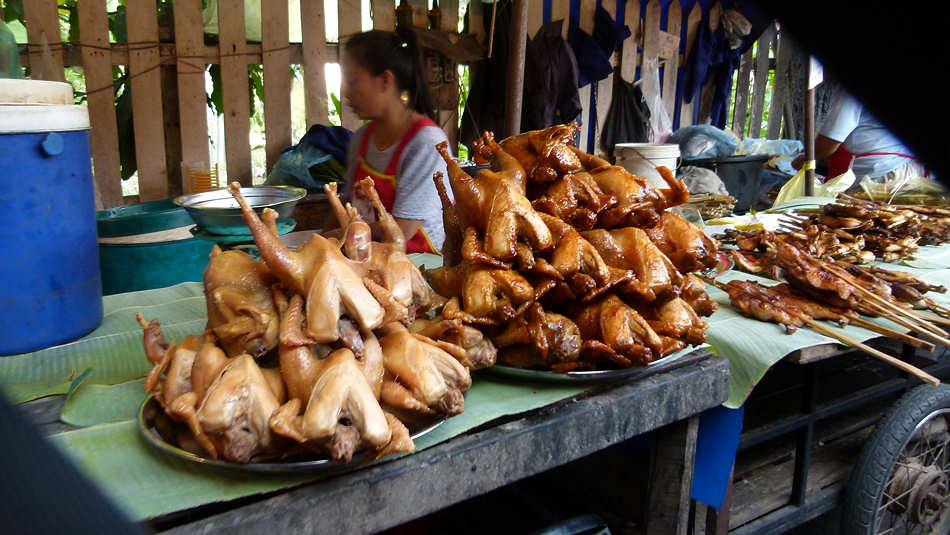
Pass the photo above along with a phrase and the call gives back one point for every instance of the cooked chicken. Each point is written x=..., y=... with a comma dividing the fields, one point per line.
x=622, y=330
x=686, y=245
x=545, y=154
x=631, y=248
x=675, y=318
x=493, y=205
x=555, y=338
x=480, y=352
x=241, y=308
x=575, y=198
x=235, y=412
x=318, y=271
x=494, y=295
x=452, y=246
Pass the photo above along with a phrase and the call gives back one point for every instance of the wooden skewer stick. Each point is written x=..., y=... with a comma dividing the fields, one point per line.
x=891, y=333
x=911, y=326
x=909, y=368
x=884, y=303
x=935, y=319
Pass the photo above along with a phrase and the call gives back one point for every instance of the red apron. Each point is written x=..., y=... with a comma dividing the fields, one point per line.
x=385, y=184
x=841, y=160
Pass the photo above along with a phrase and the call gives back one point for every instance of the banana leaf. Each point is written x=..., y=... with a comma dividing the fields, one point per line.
x=113, y=351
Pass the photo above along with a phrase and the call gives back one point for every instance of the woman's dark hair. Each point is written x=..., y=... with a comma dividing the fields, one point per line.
x=399, y=52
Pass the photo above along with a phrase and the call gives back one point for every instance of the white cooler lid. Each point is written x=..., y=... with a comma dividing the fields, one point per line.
x=31, y=119
x=14, y=91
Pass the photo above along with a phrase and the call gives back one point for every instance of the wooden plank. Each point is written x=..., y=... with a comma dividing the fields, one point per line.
x=348, y=13
x=674, y=22
x=147, y=117
x=561, y=10
x=692, y=29
x=760, y=80
x=586, y=24
x=42, y=31
x=649, y=63
x=476, y=18
x=673, y=457
x=535, y=15
x=605, y=89
x=172, y=128
x=630, y=56
x=384, y=14
x=420, y=10
x=100, y=96
x=235, y=95
x=313, y=48
x=780, y=89
x=275, y=40
x=192, y=100
x=450, y=15
x=742, y=93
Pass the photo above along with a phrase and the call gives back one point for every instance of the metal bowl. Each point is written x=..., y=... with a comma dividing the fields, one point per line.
x=216, y=212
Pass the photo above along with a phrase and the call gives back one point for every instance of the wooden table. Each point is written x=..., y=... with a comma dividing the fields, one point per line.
x=489, y=457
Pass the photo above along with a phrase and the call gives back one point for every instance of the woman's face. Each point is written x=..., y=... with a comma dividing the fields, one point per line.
x=363, y=92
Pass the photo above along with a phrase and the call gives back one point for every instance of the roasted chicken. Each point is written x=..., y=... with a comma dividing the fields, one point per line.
x=686, y=245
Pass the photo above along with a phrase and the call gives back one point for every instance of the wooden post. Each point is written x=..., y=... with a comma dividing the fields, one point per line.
x=671, y=477
x=103, y=134
x=192, y=100
x=516, y=54
x=235, y=95
x=314, y=51
x=276, y=58
x=42, y=30
x=146, y=84
x=809, y=132
x=629, y=57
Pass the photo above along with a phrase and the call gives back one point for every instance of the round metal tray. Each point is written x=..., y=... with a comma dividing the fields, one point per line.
x=592, y=376
x=218, y=213
x=312, y=464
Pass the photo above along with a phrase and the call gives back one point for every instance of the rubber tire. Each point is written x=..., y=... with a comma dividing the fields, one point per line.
x=866, y=484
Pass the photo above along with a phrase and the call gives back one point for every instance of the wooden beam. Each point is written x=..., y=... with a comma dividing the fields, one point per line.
x=348, y=13
x=146, y=86
x=780, y=89
x=760, y=80
x=672, y=459
x=674, y=23
x=742, y=94
x=100, y=96
x=384, y=14
x=605, y=89
x=314, y=52
x=515, y=76
x=192, y=99
x=275, y=40
x=42, y=31
x=630, y=56
x=235, y=95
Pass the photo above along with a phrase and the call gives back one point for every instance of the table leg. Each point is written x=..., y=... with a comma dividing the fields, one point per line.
x=671, y=476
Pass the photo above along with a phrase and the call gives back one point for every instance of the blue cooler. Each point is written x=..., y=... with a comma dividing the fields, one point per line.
x=50, y=290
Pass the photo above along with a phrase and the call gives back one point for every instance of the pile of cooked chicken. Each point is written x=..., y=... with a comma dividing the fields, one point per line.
x=567, y=262
x=319, y=350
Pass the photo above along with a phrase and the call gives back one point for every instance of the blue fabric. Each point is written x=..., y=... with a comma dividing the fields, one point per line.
x=711, y=59
x=593, y=51
x=332, y=140
x=716, y=446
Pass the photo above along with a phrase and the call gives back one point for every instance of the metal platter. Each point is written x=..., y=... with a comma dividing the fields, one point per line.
x=666, y=363
x=150, y=409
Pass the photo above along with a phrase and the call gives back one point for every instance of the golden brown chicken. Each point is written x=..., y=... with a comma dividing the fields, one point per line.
x=494, y=206
x=630, y=248
x=452, y=245
x=545, y=154
x=575, y=198
x=421, y=377
x=241, y=310
x=319, y=272
x=480, y=352
x=618, y=328
x=489, y=295
x=551, y=339
x=677, y=319
x=685, y=244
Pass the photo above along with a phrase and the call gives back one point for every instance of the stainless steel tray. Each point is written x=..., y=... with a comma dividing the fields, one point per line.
x=666, y=363
x=315, y=464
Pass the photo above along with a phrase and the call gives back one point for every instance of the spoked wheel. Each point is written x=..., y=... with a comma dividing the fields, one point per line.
x=901, y=483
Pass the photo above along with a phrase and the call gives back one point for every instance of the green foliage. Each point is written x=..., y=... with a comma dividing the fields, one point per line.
x=336, y=111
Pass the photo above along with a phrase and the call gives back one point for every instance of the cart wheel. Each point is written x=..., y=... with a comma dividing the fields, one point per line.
x=901, y=483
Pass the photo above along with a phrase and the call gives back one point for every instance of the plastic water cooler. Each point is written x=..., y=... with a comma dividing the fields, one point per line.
x=50, y=289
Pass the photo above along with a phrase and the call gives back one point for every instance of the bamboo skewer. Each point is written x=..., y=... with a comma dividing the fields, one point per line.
x=847, y=340
x=912, y=327
x=909, y=368
x=891, y=333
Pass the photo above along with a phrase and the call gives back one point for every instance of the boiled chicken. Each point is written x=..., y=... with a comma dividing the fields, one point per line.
x=241, y=310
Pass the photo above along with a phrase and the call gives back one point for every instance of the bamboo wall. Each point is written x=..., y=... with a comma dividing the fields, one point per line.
x=168, y=74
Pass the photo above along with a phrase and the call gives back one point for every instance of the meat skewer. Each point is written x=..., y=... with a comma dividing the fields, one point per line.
x=756, y=292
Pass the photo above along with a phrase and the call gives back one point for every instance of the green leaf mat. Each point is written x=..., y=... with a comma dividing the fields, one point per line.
x=113, y=351
x=147, y=483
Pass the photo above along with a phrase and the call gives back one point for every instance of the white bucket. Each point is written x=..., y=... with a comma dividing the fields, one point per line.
x=642, y=159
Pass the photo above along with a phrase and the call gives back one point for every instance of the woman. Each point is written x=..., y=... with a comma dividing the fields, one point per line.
x=384, y=82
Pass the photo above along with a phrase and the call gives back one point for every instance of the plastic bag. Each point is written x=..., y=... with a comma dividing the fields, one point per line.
x=704, y=141
x=305, y=166
x=628, y=120
x=770, y=147
x=660, y=124
x=904, y=186
x=795, y=187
